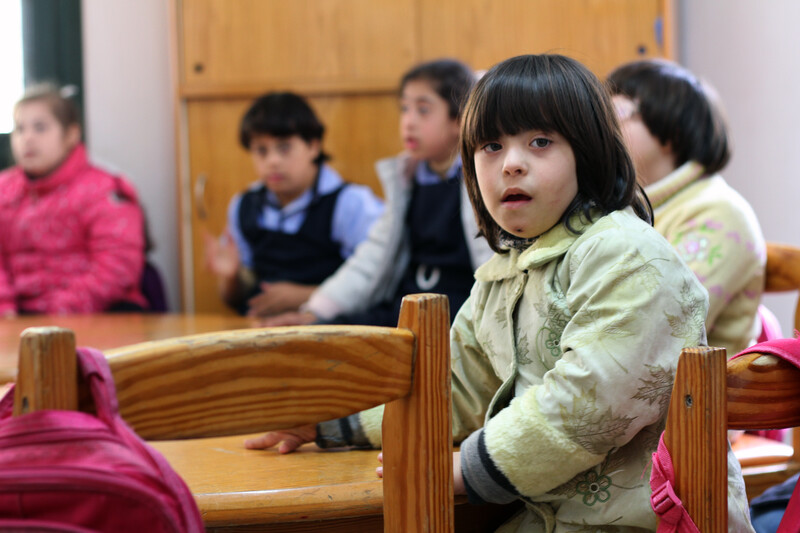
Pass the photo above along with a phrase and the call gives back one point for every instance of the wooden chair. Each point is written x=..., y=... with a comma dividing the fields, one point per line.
x=767, y=462
x=755, y=391
x=256, y=380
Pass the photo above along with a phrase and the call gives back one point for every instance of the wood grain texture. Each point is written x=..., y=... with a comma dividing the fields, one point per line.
x=48, y=377
x=417, y=429
x=783, y=272
x=109, y=330
x=258, y=379
x=696, y=437
x=763, y=392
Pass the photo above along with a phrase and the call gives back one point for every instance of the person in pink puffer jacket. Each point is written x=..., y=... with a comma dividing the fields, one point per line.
x=71, y=234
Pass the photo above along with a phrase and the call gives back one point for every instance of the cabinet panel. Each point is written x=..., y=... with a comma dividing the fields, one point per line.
x=599, y=33
x=359, y=131
x=342, y=44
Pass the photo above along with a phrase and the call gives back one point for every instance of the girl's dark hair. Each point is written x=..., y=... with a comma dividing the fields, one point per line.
x=282, y=114
x=678, y=109
x=554, y=94
x=449, y=78
x=58, y=99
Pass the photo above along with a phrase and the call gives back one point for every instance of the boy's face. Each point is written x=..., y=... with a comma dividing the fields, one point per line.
x=39, y=142
x=526, y=180
x=427, y=131
x=652, y=159
x=285, y=165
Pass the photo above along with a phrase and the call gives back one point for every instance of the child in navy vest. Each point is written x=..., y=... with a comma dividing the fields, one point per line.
x=291, y=230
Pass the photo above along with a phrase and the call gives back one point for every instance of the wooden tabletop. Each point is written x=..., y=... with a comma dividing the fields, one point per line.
x=310, y=490
x=104, y=331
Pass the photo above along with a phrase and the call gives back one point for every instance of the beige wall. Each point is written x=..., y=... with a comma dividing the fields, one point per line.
x=749, y=52
x=129, y=111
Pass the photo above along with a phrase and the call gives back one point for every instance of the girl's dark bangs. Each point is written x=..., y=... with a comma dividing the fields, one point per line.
x=513, y=105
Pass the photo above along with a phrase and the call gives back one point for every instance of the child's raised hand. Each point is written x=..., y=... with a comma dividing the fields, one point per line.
x=278, y=297
x=289, y=439
x=222, y=257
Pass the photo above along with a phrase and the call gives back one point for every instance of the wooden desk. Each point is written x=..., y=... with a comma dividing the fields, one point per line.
x=261, y=490
x=110, y=330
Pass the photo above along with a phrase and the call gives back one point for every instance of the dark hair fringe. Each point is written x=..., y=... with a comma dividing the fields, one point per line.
x=282, y=114
x=450, y=79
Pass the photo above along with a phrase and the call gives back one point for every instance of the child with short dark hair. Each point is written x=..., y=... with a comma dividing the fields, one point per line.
x=426, y=240
x=565, y=352
x=297, y=225
x=71, y=234
x=678, y=137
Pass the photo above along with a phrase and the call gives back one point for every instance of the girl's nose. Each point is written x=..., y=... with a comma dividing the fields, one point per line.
x=514, y=163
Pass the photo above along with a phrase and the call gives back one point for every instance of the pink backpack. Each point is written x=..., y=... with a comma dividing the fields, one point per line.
x=73, y=471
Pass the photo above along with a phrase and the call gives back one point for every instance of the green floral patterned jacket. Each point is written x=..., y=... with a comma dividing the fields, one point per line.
x=563, y=362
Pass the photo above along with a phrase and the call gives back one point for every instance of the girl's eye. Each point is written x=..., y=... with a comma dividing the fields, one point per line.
x=540, y=142
x=262, y=151
x=424, y=110
x=491, y=147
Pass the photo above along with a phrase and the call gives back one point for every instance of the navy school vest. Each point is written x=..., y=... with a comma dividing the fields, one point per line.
x=307, y=257
x=440, y=259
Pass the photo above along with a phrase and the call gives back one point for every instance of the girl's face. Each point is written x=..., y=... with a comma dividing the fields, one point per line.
x=527, y=180
x=426, y=128
x=39, y=142
x=652, y=159
x=285, y=165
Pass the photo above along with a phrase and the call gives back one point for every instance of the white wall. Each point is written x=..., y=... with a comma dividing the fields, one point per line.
x=750, y=51
x=129, y=112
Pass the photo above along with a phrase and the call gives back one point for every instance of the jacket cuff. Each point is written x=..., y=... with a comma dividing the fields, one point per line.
x=484, y=482
x=324, y=308
x=342, y=432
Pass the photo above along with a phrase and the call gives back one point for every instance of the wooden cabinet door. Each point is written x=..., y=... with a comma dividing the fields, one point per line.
x=305, y=44
x=359, y=130
x=599, y=33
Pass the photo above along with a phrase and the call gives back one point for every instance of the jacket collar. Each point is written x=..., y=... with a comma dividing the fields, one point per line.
x=72, y=166
x=550, y=245
x=674, y=182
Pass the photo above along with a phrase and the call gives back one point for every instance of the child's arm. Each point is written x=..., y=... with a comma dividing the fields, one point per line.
x=353, y=286
x=8, y=308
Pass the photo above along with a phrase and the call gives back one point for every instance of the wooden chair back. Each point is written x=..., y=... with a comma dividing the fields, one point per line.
x=766, y=462
x=246, y=381
x=755, y=391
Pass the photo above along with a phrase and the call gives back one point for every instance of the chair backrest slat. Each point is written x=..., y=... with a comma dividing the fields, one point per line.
x=282, y=374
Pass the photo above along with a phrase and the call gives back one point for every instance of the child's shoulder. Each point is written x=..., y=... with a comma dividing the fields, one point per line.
x=621, y=234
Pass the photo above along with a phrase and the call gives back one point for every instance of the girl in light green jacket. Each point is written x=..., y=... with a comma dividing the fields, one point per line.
x=564, y=354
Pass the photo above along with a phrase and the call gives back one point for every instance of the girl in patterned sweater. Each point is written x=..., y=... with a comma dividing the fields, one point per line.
x=564, y=354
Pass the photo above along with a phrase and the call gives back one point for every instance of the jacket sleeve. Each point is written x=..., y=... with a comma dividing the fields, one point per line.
x=352, y=287
x=632, y=308
x=114, y=228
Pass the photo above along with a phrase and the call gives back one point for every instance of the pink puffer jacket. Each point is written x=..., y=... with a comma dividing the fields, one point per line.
x=72, y=242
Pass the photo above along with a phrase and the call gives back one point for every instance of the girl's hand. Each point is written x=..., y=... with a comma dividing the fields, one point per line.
x=222, y=257
x=289, y=439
